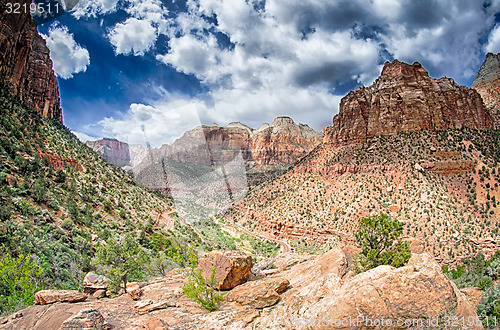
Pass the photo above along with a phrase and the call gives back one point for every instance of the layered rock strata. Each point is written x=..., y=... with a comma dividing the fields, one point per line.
x=25, y=62
x=405, y=99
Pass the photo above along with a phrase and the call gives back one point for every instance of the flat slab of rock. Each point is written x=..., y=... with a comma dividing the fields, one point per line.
x=149, y=305
x=86, y=319
x=231, y=268
x=259, y=294
x=45, y=297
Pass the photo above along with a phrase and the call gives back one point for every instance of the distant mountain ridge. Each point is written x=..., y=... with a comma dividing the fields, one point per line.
x=265, y=149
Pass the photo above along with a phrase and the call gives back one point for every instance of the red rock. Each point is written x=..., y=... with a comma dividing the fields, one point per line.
x=93, y=282
x=405, y=99
x=487, y=83
x=111, y=150
x=45, y=297
x=26, y=64
x=134, y=290
x=277, y=145
x=259, y=294
x=87, y=319
x=231, y=268
x=99, y=294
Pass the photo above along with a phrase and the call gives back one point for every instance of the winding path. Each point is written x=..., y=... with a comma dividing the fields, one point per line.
x=284, y=246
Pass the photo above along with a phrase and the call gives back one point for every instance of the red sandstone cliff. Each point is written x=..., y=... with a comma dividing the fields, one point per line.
x=113, y=151
x=487, y=83
x=279, y=144
x=405, y=99
x=25, y=63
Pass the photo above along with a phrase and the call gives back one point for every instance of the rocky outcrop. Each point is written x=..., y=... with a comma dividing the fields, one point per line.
x=87, y=319
x=45, y=297
x=405, y=99
x=93, y=282
x=487, y=83
x=310, y=292
x=259, y=294
x=282, y=143
x=25, y=63
x=231, y=268
x=111, y=150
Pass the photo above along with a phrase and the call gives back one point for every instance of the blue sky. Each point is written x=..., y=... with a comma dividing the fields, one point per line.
x=145, y=71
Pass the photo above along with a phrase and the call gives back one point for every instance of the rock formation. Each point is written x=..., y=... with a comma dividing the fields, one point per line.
x=281, y=143
x=45, y=297
x=405, y=99
x=310, y=292
x=487, y=83
x=231, y=268
x=25, y=63
x=113, y=151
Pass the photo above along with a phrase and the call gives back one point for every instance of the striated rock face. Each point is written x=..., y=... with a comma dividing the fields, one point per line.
x=25, y=63
x=281, y=143
x=405, y=99
x=113, y=151
x=487, y=83
x=87, y=318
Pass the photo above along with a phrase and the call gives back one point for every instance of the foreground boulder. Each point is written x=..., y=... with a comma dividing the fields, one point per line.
x=45, y=297
x=419, y=291
x=93, y=282
x=302, y=292
x=231, y=268
x=134, y=290
x=259, y=294
x=86, y=319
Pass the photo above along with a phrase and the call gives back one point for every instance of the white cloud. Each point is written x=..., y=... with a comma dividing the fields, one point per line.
x=493, y=45
x=133, y=36
x=154, y=124
x=83, y=137
x=138, y=33
x=191, y=55
x=92, y=8
x=68, y=57
x=259, y=60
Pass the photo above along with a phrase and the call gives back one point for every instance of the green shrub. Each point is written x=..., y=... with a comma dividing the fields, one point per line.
x=489, y=308
x=197, y=288
x=121, y=261
x=18, y=281
x=377, y=236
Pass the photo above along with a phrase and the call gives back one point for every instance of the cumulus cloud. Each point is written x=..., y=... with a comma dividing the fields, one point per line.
x=154, y=124
x=92, y=8
x=138, y=33
x=493, y=45
x=68, y=57
x=257, y=60
x=133, y=36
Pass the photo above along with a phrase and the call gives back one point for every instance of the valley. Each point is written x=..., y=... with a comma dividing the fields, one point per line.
x=391, y=212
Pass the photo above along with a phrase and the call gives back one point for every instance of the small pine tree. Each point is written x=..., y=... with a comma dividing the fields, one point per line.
x=198, y=289
x=123, y=260
x=376, y=237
